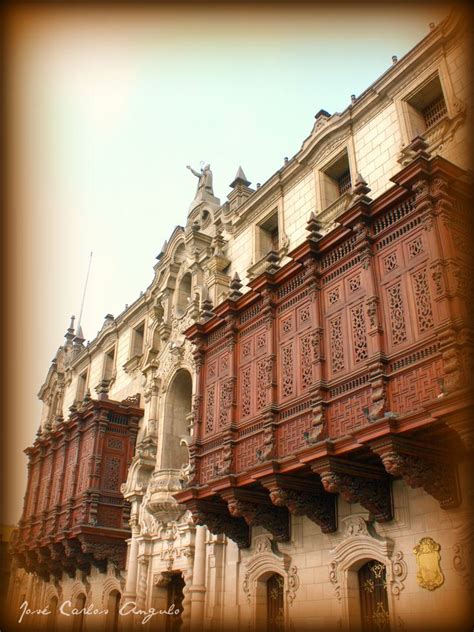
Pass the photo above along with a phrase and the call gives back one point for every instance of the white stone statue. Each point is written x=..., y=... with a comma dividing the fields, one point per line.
x=204, y=188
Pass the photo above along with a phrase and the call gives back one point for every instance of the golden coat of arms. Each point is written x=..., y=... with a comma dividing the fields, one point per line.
x=429, y=574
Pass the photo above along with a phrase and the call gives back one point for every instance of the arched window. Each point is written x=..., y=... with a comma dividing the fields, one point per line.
x=183, y=294
x=177, y=408
x=275, y=608
x=78, y=619
x=113, y=606
x=373, y=597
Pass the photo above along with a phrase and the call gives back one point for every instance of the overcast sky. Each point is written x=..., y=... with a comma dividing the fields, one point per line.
x=107, y=107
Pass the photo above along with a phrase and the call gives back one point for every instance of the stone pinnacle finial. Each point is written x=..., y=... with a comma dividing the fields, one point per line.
x=273, y=260
x=79, y=338
x=360, y=188
x=419, y=146
x=235, y=285
x=69, y=335
x=240, y=178
x=206, y=305
x=314, y=228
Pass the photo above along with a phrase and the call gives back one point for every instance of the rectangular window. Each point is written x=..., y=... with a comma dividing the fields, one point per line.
x=138, y=336
x=426, y=107
x=268, y=236
x=109, y=364
x=335, y=180
x=81, y=386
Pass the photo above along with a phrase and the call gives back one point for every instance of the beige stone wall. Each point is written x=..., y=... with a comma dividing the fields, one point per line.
x=316, y=606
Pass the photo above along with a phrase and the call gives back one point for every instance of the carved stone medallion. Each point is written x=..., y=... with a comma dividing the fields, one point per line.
x=429, y=574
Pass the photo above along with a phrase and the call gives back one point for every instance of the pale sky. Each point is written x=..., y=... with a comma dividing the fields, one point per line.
x=106, y=108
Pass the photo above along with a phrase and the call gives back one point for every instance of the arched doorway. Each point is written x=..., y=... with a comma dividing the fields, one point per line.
x=373, y=597
x=175, y=598
x=275, y=603
x=177, y=407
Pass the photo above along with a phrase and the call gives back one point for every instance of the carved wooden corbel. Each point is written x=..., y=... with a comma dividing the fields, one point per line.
x=420, y=466
x=257, y=510
x=302, y=499
x=216, y=517
x=365, y=484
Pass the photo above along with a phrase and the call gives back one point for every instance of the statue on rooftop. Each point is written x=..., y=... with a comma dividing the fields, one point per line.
x=204, y=188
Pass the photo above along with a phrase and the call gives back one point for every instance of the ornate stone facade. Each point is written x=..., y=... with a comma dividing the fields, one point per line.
x=296, y=372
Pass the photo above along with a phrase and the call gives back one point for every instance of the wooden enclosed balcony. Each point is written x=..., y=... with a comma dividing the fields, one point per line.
x=340, y=370
x=74, y=513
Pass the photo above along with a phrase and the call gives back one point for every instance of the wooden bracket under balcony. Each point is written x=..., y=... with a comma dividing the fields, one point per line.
x=258, y=510
x=420, y=465
x=214, y=514
x=303, y=497
x=361, y=483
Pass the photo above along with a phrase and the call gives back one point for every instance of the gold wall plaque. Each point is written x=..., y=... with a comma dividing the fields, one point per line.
x=429, y=574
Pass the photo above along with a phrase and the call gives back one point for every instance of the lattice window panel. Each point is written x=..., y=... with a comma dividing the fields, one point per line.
x=344, y=182
x=262, y=383
x=435, y=111
x=336, y=344
x=210, y=407
x=396, y=314
x=245, y=451
x=208, y=465
x=424, y=310
x=306, y=362
x=359, y=333
x=112, y=466
x=345, y=414
x=246, y=391
x=109, y=517
x=411, y=389
x=287, y=371
x=290, y=434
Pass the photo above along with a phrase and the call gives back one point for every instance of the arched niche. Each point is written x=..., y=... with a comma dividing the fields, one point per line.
x=113, y=607
x=175, y=423
x=183, y=294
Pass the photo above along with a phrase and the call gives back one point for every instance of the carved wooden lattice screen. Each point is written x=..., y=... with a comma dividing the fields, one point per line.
x=373, y=597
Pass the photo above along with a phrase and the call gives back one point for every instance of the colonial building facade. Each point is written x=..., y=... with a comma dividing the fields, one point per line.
x=275, y=435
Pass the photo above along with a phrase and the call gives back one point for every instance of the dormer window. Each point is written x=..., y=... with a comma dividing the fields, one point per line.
x=109, y=364
x=335, y=180
x=267, y=236
x=138, y=336
x=426, y=107
x=81, y=386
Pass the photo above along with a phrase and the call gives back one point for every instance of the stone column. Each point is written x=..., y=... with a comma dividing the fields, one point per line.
x=198, y=588
x=132, y=568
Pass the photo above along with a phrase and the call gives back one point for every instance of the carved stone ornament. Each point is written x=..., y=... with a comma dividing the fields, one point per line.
x=429, y=574
x=267, y=558
x=360, y=541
